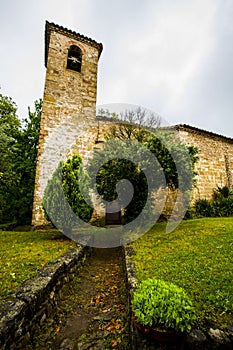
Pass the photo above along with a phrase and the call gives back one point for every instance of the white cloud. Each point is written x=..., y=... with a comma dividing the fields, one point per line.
x=163, y=58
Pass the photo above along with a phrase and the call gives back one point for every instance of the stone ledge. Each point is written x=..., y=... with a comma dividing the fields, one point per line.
x=195, y=340
x=27, y=307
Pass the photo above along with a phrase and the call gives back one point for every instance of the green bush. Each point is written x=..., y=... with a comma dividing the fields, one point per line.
x=65, y=182
x=71, y=171
x=163, y=304
x=220, y=193
x=223, y=207
x=223, y=201
x=220, y=205
x=190, y=213
x=203, y=208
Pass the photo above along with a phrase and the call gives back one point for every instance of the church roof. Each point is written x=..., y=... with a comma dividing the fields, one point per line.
x=194, y=129
x=49, y=27
x=178, y=127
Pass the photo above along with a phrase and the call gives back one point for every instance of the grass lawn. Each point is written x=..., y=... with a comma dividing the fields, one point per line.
x=197, y=256
x=22, y=254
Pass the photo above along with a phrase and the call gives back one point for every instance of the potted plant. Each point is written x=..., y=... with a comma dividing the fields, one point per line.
x=162, y=310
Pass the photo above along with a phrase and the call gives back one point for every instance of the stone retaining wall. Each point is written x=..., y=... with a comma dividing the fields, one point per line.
x=215, y=339
x=26, y=308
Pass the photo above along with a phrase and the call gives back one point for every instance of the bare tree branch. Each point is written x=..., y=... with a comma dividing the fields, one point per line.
x=134, y=124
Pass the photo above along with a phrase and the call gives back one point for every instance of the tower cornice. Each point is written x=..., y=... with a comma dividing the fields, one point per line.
x=50, y=27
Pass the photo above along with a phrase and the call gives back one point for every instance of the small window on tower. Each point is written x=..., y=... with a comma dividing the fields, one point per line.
x=74, y=60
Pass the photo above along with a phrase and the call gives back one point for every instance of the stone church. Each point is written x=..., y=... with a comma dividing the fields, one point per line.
x=69, y=123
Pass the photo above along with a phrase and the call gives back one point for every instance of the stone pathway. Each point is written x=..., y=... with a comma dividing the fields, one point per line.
x=93, y=313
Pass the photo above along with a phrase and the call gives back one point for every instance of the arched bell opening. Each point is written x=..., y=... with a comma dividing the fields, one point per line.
x=74, y=59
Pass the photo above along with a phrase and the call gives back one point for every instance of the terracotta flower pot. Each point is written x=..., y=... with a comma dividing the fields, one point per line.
x=162, y=335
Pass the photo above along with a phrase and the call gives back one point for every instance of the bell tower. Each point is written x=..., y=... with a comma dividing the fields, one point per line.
x=69, y=104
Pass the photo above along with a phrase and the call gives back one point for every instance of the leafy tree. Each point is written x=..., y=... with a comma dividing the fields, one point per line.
x=8, y=117
x=18, y=147
x=6, y=171
x=124, y=160
x=176, y=160
x=55, y=208
x=163, y=143
x=9, y=132
x=65, y=182
x=25, y=162
x=72, y=172
x=115, y=170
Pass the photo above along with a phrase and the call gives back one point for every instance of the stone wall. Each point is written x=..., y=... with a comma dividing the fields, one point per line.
x=215, y=165
x=26, y=309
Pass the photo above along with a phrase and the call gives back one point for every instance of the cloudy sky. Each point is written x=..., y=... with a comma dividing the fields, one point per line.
x=172, y=56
